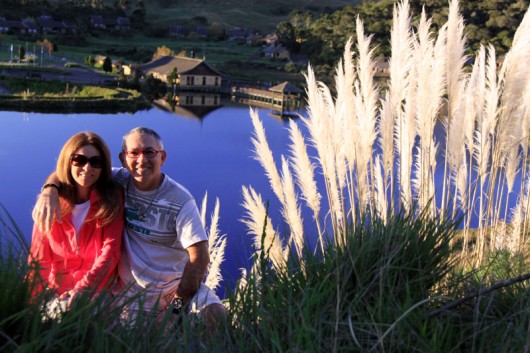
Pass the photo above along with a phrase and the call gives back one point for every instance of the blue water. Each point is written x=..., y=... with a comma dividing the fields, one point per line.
x=212, y=155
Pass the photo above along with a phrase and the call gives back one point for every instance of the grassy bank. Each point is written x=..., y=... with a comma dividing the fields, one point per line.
x=374, y=293
x=54, y=96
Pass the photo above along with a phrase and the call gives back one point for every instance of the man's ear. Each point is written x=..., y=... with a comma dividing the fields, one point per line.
x=122, y=159
x=163, y=155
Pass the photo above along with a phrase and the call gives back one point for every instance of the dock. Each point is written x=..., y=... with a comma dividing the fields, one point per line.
x=281, y=98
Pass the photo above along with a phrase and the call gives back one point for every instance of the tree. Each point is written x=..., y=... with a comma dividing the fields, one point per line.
x=153, y=88
x=138, y=15
x=286, y=35
x=163, y=51
x=49, y=46
x=216, y=32
x=107, y=65
x=121, y=4
x=21, y=53
x=172, y=78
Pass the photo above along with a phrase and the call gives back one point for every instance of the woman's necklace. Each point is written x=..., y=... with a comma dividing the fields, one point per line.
x=141, y=215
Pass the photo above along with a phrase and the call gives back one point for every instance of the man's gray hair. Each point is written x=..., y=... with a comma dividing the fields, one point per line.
x=142, y=131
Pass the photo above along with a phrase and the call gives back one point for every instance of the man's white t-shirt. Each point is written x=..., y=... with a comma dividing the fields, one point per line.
x=159, y=226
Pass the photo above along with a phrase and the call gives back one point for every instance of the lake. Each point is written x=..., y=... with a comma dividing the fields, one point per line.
x=212, y=154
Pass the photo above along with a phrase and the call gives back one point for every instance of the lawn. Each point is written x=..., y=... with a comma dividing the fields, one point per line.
x=227, y=57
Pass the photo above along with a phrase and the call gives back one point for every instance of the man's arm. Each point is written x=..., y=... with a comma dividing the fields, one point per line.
x=199, y=259
x=47, y=206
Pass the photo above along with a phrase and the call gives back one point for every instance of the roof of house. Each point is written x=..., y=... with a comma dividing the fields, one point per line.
x=165, y=65
x=286, y=87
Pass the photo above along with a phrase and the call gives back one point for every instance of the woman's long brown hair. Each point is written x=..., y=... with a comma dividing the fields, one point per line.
x=109, y=192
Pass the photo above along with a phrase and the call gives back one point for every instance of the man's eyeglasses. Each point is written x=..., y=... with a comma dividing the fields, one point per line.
x=80, y=160
x=146, y=153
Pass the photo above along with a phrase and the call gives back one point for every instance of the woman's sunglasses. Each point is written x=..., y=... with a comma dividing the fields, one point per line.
x=80, y=160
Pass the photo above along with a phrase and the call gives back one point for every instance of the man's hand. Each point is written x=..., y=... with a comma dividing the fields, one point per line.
x=196, y=267
x=47, y=209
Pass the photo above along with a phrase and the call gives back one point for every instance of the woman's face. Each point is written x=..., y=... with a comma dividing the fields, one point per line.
x=86, y=164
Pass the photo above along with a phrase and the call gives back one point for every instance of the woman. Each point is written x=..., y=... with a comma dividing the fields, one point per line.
x=82, y=251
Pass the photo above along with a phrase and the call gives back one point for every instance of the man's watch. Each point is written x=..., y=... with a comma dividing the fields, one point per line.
x=176, y=305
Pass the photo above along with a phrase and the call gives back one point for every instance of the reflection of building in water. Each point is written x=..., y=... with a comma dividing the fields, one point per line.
x=283, y=98
x=197, y=99
x=191, y=104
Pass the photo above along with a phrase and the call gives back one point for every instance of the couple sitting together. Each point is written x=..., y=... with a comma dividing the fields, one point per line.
x=130, y=230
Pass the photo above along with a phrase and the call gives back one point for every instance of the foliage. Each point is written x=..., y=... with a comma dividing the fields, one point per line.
x=153, y=88
x=373, y=293
x=322, y=38
x=107, y=64
x=163, y=51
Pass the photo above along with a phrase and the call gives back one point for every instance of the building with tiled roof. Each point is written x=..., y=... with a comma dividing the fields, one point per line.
x=192, y=73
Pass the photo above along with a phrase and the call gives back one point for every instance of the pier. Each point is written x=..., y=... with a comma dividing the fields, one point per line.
x=282, y=98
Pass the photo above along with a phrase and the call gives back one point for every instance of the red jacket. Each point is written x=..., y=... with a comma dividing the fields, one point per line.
x=65, y=265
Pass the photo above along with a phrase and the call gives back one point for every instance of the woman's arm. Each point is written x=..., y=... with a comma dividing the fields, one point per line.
x=40, y=261
x=47, y=209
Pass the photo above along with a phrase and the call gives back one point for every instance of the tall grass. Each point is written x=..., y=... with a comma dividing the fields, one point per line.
x=374, y=293
x=392, y=255
x=380, y=156
x=379, y=151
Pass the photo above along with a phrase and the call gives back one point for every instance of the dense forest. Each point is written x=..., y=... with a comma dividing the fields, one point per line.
x=322, y=38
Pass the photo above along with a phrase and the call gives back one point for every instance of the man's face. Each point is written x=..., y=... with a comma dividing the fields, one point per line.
x=145, y=171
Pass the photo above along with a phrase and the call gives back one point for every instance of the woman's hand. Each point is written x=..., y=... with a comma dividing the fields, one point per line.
x=70, y=295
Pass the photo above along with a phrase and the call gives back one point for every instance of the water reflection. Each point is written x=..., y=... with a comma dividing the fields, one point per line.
x=210, y=155
x=191, y=104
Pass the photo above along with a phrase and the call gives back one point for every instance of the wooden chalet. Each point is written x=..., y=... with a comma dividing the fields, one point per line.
x=192, y=74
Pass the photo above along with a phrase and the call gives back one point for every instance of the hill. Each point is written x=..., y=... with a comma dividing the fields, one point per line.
x=254, y=14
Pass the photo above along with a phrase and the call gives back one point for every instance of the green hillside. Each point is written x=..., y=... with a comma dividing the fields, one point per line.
x=256, y=14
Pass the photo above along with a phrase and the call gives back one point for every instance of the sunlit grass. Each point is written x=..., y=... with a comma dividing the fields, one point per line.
x=376, y=293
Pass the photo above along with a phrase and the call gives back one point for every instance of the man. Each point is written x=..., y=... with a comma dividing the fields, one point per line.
x=165, y=250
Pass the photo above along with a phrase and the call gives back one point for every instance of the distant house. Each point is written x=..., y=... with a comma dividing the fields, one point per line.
x=46, y=24
x=271, y=38
x=192, y=74
x=382, y=66
x=238, y=33
x=256, y=39
x=110, y=24
x=276, y=51
x=4, y=27
x=202, y=32
x=127, y=70
x=15, y=27
x=97, y=22
x=123, y=23
x=31, y=27
x=178, y=31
